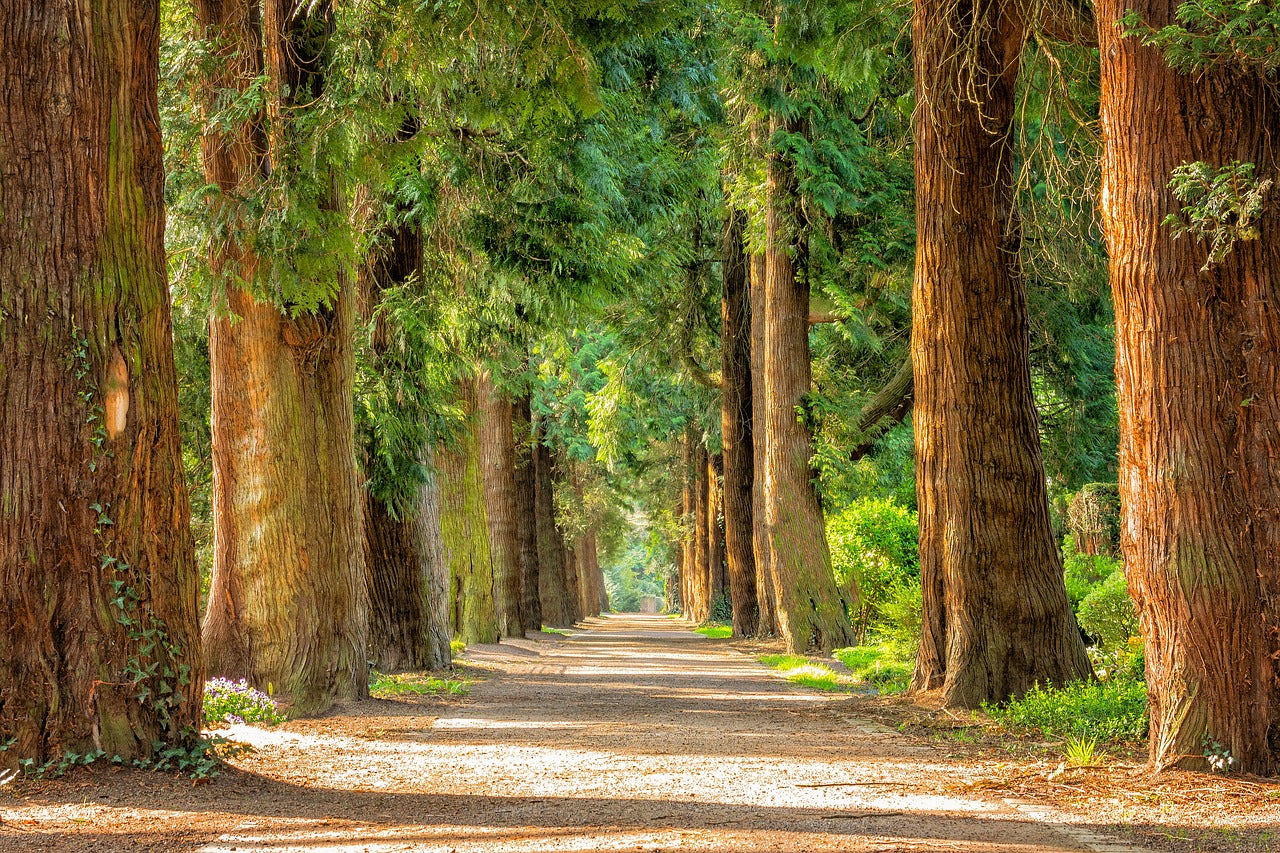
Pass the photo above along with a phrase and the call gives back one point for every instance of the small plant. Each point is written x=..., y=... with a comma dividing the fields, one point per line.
x=1081, y=751
x=1219, y=757
x=227, y=701
x=414, y=684
x=715, y=632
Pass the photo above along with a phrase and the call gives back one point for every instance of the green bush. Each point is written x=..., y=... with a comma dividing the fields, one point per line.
x=1107, y=613
x=874, y=544
x=1114, y=710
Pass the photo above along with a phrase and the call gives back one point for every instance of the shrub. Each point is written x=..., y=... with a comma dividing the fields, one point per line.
x=1114, y=710
x=228, y=701
x=874, y=544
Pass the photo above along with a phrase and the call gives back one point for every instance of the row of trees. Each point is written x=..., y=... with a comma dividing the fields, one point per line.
x=474, y=276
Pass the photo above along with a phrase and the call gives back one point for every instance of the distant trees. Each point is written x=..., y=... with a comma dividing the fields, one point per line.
x=98, y=581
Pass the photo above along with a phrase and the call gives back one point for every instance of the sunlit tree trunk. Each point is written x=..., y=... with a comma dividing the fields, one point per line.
x=811, y=610
x=498, y=456
x=996, y=617
x=735, y=423
x=464, y=526
x=97, y=571
x=288, y=604
x=1197, y=376
x=762, y=553
x=526, y=516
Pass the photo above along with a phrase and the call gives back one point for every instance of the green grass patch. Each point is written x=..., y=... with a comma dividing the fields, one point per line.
x=807, y=673
x=884, y=666
x=715, y=632
x=1106, y=711
x=414, y=684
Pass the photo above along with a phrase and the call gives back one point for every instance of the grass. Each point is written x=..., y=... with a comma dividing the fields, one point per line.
x=883, y=666
x=715, y=632
x=414, y=684
x=1106, y=711
x=807, y=673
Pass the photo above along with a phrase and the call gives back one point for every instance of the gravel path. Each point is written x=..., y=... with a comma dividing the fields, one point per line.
x=633, y=734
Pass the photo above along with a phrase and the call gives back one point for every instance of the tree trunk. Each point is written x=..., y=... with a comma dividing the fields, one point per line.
x=288, y=602
x=1197, y=377
x=812, y=613
x=464, y=527
x=553, y=566
x=735, y=423
x=526, y=516
x=761, y=550
x=408, y=585
x=996, y=617
x=98, y=577
x=498, y=452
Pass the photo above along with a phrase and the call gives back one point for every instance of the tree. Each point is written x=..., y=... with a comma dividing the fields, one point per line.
x=97, y=571
x=996, y=616
x=288, y=605
x=1196, y=370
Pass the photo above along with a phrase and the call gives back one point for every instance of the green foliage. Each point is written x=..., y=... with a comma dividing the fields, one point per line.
x=1208, y=33
x=1114, y=710
x=715, y=632
x=886, y=665
x=382, y=686
x=228, y=701
x=1218, y=205
x=874, y=548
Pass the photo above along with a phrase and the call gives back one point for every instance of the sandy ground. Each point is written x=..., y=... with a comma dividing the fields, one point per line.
x=633, y=734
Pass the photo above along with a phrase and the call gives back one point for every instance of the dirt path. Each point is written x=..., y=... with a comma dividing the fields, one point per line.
x=632, y=735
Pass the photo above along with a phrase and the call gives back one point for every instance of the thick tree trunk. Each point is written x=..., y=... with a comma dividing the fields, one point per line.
x=526, y=516
x=1197, y=370
x=996, y=617
x=408, y=585
x=761, y=550
x=498, y=452
x=288, y=603
x=811, y=611
x=97, y=571
x=553, y=565
x=735, y=423
x=464, y=526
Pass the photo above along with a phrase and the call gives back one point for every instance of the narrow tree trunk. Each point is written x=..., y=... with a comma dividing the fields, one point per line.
x=99, y=646
x=552, y=559
x=498, y=453
x=526, y=516
x=288, y=603
x=812, y=613
x=735, y=423
x=1197, y=376
x=996, y=617
x=761, y=549
x=464, y=527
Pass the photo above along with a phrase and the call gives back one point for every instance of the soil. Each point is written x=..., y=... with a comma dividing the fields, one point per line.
x=635, y=734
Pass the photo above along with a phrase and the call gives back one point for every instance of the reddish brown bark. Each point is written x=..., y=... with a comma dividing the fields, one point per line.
x=996, y=617
x=95, y=547
x=1197, y=374
x=526, y=515
x=735, y=423
x=811, y=610
x=288, y=604
x=498, y=456
x=762, y=553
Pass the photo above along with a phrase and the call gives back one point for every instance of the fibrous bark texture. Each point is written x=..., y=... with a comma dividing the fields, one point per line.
x=288, y=603
x=99, y=645
x=811, y=611
x=1197, y=358
x=996, y=617
x=735, y=423
x=498, y=456
x=526, y=516
x=761, y=552
x=464, y=526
